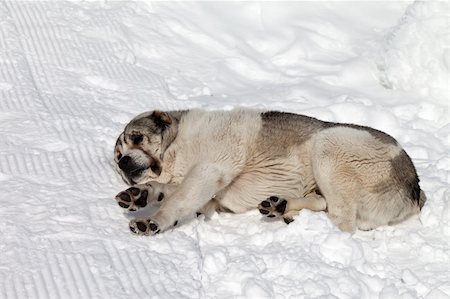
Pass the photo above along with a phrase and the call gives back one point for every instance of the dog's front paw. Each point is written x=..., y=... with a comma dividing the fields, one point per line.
x=140, y=196
x=133, y=198
x=273, y=207
x=145, y=227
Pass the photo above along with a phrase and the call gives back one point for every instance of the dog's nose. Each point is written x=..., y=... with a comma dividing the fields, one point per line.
x=124, y=162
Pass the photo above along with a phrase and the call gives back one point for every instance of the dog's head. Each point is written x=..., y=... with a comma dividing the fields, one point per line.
x=139, y=150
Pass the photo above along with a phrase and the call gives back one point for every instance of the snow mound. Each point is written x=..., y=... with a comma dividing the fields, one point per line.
x=416, y=53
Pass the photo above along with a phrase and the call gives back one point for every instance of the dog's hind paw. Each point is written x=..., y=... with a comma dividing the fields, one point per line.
x=273, y=207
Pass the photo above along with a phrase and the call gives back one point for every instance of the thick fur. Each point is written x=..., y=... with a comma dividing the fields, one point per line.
x=278, y=162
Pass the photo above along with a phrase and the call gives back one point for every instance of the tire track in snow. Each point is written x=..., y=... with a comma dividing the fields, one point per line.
x=49, y=35
x=114, y=258
x=18, y=282
x=48, y=280
x=154, y=285
x=6, y=291
x=40, y=165
x=80, y=165
x=28, y=279
x=85, y=261
x=16, y=163
x=132, y=275
x=31, y=167
x=41, y=288
x=25, y=165
x=83, y=285
x=55, y=272
x=68, y=277
x=27, y=44
x=27, y=16
x=9, y=96
x=21, y=95
x=47, y=55
x=40, y=40
x=4, y=165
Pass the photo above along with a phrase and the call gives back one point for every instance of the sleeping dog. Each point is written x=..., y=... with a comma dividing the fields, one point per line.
x=234, y=161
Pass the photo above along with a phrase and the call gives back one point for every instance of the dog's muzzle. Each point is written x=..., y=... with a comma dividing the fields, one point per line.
x=134, y=171
x=129, y=168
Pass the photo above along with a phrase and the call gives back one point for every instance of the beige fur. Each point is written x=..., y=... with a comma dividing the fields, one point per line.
x=235, y=160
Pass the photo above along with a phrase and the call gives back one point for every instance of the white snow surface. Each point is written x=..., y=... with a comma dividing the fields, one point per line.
x=72, y=74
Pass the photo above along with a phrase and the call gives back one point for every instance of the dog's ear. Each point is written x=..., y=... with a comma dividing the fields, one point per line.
x=161, y=119
x=167, y=122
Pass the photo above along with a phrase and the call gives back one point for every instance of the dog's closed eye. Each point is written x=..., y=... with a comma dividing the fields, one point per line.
x=137, y=139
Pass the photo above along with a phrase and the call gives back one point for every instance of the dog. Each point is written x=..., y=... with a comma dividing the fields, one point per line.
x=198, y=161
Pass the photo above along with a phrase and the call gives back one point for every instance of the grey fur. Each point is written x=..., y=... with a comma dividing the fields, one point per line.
x=379, y=135
x=405, y=176
x=280, y=130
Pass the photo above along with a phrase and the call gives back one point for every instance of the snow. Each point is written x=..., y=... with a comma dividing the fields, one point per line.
x=72, y=74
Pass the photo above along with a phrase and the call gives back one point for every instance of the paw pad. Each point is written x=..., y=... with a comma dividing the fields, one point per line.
x=132, y=199
x=265, y=204
x=134, y=191
x=144, y=227
x=273, y=207
x=287, y=220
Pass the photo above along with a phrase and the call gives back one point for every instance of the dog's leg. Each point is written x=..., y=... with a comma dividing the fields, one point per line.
x=347, y=165
x=287, y=209
x=209, y=208
x=139, y=196
x=341, y=193
x=344, y=217
x=200, y=185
